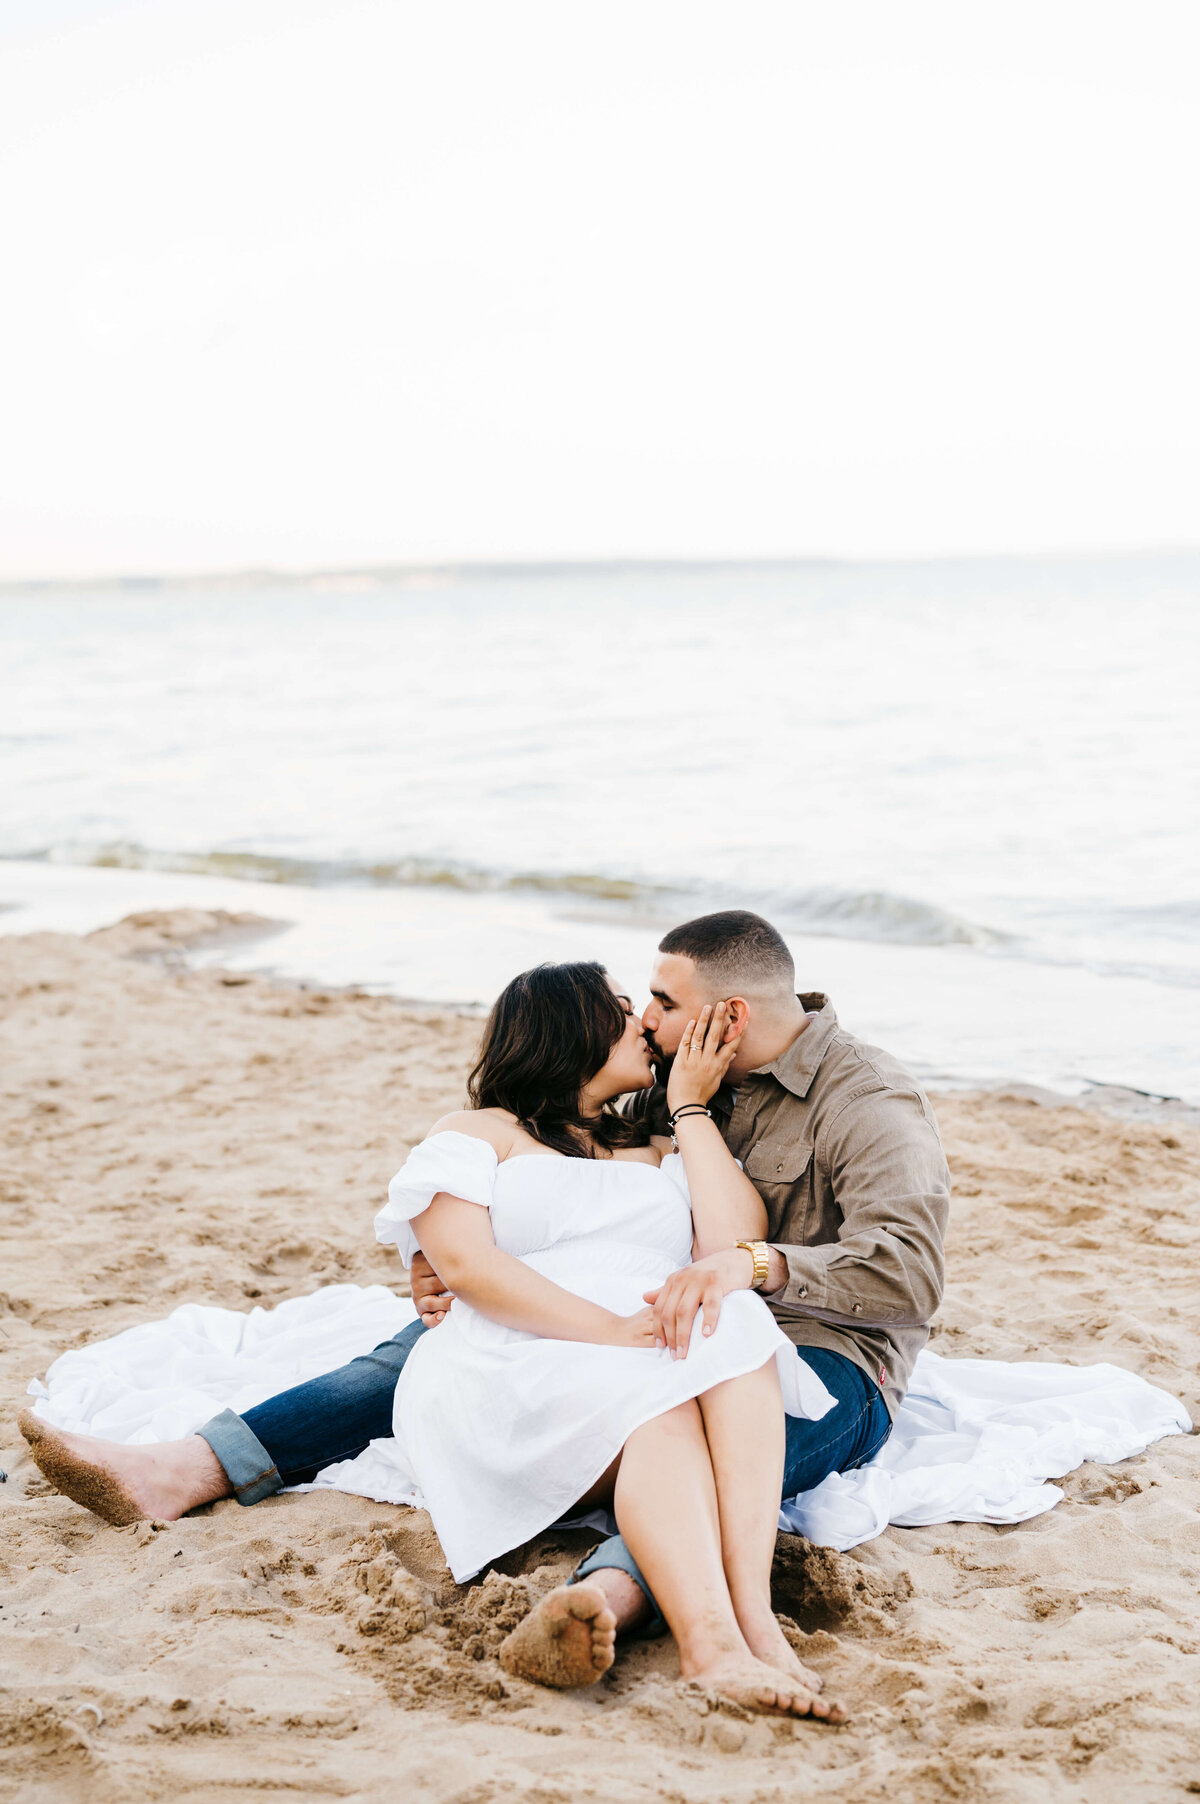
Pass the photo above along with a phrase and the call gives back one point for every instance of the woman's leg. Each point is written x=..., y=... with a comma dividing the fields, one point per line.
x=744, y=1426
x=667, y=1506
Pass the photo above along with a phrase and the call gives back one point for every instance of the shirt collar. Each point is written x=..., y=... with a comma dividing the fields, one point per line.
x=797, y=1064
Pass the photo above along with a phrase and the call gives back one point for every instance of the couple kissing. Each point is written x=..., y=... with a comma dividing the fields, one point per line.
x=676, y=1265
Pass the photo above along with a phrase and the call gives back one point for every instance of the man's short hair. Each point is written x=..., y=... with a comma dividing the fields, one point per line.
x=734, y=950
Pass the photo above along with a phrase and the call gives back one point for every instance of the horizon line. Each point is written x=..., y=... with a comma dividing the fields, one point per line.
x=418, y=569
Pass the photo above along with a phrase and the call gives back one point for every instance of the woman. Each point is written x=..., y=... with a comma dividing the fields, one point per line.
x=547, y=1390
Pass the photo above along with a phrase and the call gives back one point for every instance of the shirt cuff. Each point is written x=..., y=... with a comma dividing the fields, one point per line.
x=805, y=1287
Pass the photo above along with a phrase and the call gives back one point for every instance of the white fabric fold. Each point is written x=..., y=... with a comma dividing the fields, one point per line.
x=165, y=1379
x=977, y=1439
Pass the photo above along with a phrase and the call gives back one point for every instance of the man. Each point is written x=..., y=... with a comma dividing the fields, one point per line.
x=841, y=1144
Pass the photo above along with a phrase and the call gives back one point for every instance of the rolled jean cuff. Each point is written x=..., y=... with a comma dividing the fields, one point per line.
x=248, y=1466
x=614, y=1553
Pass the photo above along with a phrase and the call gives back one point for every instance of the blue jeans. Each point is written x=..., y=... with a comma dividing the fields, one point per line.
x=850, y=1434
x=289, y=1438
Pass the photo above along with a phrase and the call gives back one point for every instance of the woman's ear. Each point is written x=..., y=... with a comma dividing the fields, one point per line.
x=737, y=1019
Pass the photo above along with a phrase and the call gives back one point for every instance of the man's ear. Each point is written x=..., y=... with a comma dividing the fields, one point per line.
x=737, y=1019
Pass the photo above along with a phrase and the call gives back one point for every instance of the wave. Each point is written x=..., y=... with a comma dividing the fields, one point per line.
x=879, y=915
x=823, y=911
x=319, y=873
x=820, y=911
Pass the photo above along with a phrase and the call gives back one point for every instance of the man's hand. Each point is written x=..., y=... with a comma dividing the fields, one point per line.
x=703, y=1285
x=431, y=1298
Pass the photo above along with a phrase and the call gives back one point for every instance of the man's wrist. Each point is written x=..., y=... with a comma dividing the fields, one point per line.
x=778, y=1272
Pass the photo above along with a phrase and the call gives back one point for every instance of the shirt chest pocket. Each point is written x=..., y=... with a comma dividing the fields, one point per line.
x=781, y=1172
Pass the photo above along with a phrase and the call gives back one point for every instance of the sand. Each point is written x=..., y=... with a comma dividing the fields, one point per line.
x=172, y=1136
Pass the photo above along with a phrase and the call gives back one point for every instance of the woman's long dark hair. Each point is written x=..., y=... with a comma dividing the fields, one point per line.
x=551, y=1030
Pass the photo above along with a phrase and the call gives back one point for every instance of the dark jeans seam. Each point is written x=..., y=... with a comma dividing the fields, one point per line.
x=872, y=1450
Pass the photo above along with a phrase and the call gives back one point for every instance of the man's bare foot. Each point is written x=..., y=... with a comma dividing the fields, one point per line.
x=566, y=1640
x=126, y=1484
x=757, y=1686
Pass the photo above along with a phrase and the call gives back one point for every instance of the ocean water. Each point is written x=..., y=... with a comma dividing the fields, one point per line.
x=968, y=791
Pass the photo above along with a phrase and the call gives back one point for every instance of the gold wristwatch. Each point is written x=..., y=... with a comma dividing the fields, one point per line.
x=760, y=1252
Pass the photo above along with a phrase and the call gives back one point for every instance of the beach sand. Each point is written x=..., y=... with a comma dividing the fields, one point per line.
x=175, y=1136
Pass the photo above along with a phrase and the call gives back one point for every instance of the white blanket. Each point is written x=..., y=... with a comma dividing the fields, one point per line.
x=975, y=1441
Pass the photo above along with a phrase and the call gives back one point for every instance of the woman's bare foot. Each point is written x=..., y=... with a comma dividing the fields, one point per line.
x=126, y=1484
x=566, y=1640
x=768, y=1643
x=757, y=1686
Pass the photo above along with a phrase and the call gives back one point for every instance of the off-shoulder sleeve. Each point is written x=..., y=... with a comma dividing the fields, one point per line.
x=461, y=1164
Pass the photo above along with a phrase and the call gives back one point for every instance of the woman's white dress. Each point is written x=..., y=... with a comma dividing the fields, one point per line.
x=503, y=1431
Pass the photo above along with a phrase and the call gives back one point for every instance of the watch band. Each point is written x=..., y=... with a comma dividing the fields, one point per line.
x=760, y=1252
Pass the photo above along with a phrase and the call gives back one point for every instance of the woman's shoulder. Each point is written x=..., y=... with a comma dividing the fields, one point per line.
x=496, y=1126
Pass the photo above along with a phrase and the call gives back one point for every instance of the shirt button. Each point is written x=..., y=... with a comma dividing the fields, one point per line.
x=779, y=1168
x=803, y=1291
x=857, y=1308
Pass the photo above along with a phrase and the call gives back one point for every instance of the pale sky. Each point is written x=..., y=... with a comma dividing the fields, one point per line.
x=296, y=282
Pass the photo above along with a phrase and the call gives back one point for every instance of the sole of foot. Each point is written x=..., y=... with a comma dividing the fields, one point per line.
x=70, y=1471
x=567, y=1640
x=767, y=1690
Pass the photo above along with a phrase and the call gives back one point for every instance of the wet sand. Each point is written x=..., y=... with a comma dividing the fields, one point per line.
x=176, y=1136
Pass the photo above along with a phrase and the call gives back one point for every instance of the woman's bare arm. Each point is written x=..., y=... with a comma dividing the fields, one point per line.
x=456, y=1237
x=726, y=1207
